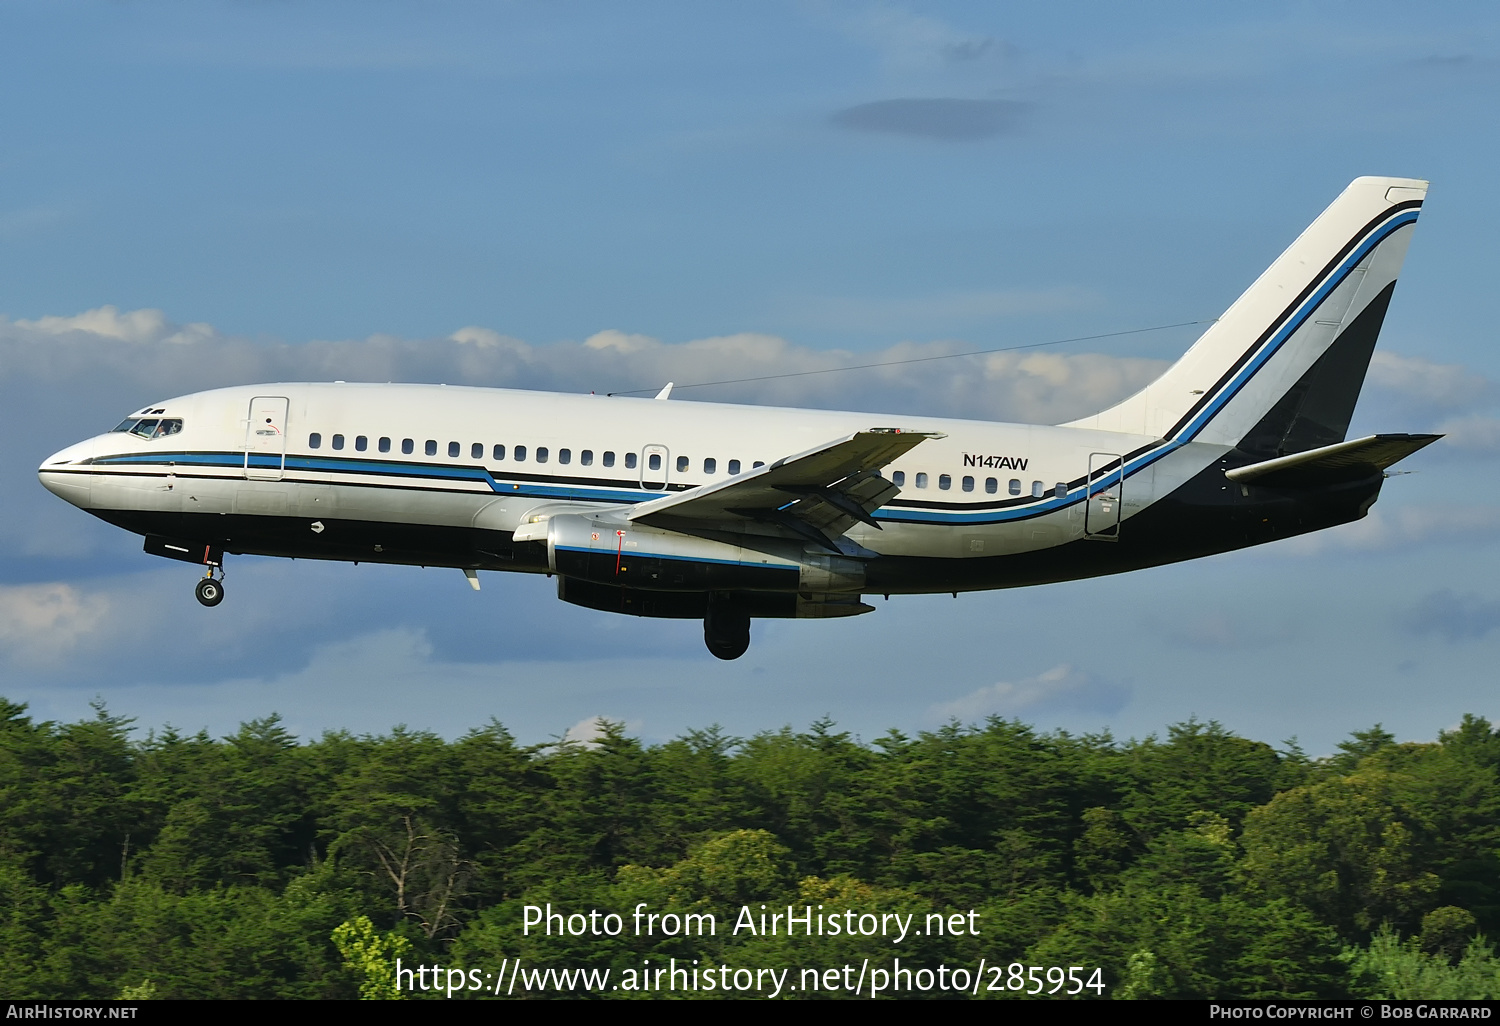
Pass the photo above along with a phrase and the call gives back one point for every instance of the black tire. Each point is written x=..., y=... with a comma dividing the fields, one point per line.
x=726, y=632
x=209, y=591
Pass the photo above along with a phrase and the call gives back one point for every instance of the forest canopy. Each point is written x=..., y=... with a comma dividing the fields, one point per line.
x=1196, y=864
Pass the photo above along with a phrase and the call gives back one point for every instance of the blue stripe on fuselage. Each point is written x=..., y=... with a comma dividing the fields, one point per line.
x=589, y=493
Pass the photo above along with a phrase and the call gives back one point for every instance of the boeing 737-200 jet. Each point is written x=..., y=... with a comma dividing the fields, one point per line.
x=724, y=513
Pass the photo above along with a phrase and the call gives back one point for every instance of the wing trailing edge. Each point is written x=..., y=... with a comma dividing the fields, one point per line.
x=814, y=496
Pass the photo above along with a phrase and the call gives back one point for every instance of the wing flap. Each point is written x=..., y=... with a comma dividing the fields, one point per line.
x=815, y=495
x=1369, y=454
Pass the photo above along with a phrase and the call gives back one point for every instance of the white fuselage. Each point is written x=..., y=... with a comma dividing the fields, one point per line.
x=463, y=457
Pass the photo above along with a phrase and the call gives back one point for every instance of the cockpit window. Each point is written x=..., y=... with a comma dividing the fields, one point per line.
x=151, y=428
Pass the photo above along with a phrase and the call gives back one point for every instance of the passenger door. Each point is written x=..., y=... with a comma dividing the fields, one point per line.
x=265, y=439
x=1106, y=488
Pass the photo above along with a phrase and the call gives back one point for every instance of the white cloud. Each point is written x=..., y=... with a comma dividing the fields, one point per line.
x=132, y=326
x=1474, y=434
x=940, y=311
x=41, y=623
x=1399, y=527
x=589, y=730
x=484, y=338
x=1059, y=689
x=620, y=342
x=1443, y=386
x=122, y=360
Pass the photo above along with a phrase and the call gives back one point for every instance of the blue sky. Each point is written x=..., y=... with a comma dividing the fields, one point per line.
x=599, y=196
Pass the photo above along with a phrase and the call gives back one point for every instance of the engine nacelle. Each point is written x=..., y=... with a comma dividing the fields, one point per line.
x=823, y=573
x=609, y=551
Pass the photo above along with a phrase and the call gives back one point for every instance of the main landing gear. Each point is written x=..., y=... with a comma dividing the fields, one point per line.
x=210, y=589
x=726, y=632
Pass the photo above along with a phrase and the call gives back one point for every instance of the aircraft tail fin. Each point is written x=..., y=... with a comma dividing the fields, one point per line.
x=1281, y=370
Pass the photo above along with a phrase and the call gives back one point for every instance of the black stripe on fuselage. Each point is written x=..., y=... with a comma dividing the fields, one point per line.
x=420, y=471
x=1207, y=515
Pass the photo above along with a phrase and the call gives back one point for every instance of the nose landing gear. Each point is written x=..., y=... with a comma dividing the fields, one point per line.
x=210, y=590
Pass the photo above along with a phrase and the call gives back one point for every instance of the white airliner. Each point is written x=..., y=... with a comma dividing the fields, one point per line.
x=724, y=513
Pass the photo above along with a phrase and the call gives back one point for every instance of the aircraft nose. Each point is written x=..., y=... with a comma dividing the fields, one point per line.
x=66, y=473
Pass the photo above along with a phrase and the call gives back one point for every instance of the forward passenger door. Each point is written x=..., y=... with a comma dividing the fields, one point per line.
x=265, y=439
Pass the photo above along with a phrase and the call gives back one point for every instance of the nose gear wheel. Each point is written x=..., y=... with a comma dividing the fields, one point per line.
x=210, y=590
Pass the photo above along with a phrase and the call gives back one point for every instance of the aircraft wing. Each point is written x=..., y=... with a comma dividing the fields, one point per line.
x=816, y=495
x=1360, y=455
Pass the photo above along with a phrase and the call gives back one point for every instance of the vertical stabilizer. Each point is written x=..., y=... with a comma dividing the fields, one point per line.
x=1281, y=369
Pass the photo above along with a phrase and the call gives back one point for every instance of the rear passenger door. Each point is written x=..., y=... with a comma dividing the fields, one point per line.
x=1106, y=492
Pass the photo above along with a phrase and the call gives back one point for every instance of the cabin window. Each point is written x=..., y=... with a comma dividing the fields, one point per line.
x=361, y=443
x=630, y=461
x=1060, y=490
x=710, y=465
x=682, y=464
x=921, y=479
x=519, y=452
x=586, y=458
x=315, y=440
x=407, y=445
x=1038, y=489
x=476, y=451
x=654, y=463
x=898, y=478
x=454, y=449
x=991, y=486
x=1015, y=486
x=498, y=452
x=338, y=441
x=945, y=481
x=968, y=484
x=609, y=459
x=431, y=447
x=384, y=444
x=565, y=456
x=734, y=467
x=542, y=454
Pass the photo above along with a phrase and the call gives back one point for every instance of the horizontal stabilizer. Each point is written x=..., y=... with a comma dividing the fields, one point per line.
x=1375, y=452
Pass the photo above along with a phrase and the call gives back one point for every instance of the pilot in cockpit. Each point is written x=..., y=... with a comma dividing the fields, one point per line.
x=150, y=428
